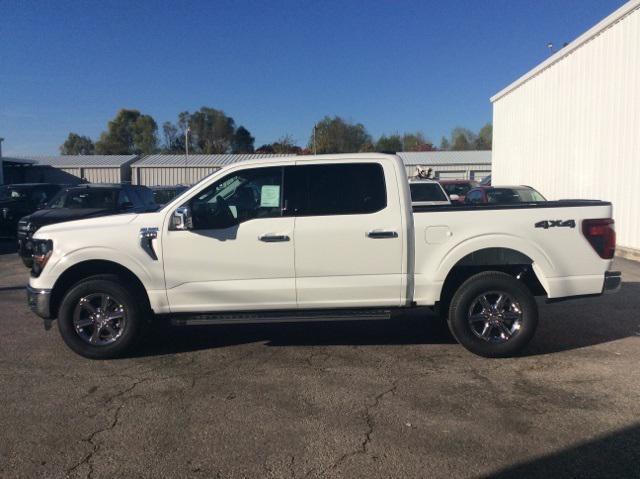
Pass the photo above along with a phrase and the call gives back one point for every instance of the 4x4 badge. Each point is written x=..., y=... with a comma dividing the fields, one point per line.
x=546, y=224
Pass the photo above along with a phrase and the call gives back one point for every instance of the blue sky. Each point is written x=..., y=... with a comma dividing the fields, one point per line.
x=275, y=67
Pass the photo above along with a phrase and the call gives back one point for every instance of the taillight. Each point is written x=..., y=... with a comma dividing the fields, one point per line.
x=601, y=236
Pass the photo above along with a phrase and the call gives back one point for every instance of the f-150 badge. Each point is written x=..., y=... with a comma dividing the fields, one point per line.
x=546, y=224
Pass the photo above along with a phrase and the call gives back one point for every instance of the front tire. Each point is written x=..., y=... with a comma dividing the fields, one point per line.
x=99, y=318
x=494, y=315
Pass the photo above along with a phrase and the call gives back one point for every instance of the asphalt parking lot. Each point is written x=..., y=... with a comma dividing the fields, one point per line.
x=357, y=399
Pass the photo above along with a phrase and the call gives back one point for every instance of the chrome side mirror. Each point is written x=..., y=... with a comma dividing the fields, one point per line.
x=454, y=197
x=182, y=219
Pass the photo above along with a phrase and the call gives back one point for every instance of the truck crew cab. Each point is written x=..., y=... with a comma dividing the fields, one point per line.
x=318, y=238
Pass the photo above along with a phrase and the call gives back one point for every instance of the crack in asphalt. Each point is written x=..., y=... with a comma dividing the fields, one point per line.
x=368, y=416
x=321, y=354
x=95, y=447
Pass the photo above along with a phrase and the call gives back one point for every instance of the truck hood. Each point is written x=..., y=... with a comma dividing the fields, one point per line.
x=58, y=215
x=87, y=226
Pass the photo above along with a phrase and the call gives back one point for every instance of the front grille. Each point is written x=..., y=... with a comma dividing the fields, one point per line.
x=23, y=225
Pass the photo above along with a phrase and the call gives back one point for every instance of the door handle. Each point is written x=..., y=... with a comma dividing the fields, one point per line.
x=379, y=234
x=271, y=238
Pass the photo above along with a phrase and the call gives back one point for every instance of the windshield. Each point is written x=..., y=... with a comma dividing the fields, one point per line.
x=10, y=192
x=513, y=195
x=85, y=198
x=164, y=196
x=460, y=189
x=426, y=192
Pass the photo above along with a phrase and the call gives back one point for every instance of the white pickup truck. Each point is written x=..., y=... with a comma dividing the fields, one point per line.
x=318, y=238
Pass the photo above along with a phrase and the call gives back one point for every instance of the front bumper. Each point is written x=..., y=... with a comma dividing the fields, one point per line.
x=39, y=301
x=612, y=282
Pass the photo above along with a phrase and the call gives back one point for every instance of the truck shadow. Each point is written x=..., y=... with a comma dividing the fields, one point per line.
x=563, y=326
x=613, y=455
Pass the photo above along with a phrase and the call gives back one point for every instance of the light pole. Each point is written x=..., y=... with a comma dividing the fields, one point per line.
x=314, y=139
x=186, y=153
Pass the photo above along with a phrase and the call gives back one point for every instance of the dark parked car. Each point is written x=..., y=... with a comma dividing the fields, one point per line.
x=19, y=200
x=458, y=187
x=503, y=195
x=164, y=194
x=83, y=201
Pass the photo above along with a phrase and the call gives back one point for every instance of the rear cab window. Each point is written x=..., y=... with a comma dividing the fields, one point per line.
x=335, y=189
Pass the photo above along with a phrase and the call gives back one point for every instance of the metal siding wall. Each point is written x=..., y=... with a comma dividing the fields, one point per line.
x=573, y=131
x=461, y=172
x=102, y=175
x=162, y=176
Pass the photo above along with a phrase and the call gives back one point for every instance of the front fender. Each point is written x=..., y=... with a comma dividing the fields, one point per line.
x=59, y=264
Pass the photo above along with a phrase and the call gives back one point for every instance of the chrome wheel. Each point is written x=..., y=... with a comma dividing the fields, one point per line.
x=495, y=316
x=99, y=319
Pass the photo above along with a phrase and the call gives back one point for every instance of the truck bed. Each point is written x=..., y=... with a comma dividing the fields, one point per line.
x=547, y=235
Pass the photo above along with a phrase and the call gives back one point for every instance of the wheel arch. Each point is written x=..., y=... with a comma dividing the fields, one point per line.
x=85, y=269
x=506, y=260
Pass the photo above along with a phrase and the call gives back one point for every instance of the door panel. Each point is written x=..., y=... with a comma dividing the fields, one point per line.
x=338, y=262
x=239, y=256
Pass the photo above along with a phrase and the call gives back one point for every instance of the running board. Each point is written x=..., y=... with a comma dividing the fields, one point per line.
x=281, y=317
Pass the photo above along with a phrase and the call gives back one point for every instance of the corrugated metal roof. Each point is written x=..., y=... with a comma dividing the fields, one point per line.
x=615, y=17
x=81, y=161
x=435, y=158
x=198, y=160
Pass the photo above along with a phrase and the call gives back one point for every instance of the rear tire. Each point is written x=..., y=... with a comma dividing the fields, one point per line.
x=494, y=315
x=99, y=318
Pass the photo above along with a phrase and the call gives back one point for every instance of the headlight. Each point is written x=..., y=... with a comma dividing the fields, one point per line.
x=42, y=250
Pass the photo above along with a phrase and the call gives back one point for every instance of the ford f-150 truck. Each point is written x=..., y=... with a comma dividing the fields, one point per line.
x=318, y=238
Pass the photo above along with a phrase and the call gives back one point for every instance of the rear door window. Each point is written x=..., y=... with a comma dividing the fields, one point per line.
x=339, y=189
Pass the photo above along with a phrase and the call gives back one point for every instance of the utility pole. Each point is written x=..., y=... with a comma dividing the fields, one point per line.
x=314, y=139
x=186, y=153
x=1, y=166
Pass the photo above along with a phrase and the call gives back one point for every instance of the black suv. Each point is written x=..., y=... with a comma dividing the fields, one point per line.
x=80, y=202
x=19, y=200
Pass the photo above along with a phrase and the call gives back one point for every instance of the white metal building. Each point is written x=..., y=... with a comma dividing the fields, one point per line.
x=72, y=169
x=571, y=126
x=447, y=165
x=155, y=170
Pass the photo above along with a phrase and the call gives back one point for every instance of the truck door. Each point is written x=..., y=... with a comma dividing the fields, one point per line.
x=348, y=234
x=239, y=253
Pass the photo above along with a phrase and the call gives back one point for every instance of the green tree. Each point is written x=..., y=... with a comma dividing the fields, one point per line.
x=77, y=145
x=285, y=145
x=484, y=141
x=416, y=142
x=462, y=139
x=335, y=135
x=129, y=133
x=389, y=143
x=212, y=131
x=242, y=141
x=170, y=133
x=444, y=144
